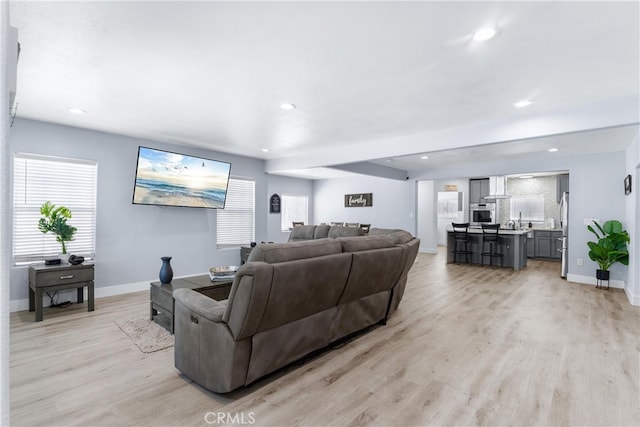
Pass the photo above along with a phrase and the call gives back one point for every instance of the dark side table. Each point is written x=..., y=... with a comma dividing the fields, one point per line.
x=162, y=304
x=45, y=278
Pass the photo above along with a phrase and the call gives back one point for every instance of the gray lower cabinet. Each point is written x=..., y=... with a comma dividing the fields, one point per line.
x=546, y=244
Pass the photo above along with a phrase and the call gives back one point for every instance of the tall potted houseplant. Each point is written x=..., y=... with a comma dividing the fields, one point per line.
x=611, y=246
x=54, y=219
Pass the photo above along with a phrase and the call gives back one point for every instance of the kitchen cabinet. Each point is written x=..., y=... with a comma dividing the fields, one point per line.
x=531, y=247
x=478, y=189
x=546, y=244
x=562, y=185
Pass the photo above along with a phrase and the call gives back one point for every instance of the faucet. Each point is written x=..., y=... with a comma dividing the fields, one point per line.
x=519, y=219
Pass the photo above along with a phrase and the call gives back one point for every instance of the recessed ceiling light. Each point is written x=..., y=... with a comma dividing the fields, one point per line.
x=265, y=150
x=522, y=104
x=553, y=150
x=484, y=34
x=389, y=160
x=76, y=110
x=424, y=157
x=525, y=176
x=287, y=106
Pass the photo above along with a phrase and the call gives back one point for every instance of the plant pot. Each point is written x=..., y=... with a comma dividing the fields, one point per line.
x=602, y=274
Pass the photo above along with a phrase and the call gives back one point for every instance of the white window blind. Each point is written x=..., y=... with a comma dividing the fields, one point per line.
x=235, y=224
x=531, y=208
x=293, y=208
x=64, y=182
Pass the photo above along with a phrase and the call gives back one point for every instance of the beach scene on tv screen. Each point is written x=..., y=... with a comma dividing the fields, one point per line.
x=165, y=178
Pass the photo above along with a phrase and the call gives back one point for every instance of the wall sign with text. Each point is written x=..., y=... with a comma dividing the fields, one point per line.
x=274, y=204
x=358, y=200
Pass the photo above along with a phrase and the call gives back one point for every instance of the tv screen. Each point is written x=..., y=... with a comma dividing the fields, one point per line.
x=170, y=179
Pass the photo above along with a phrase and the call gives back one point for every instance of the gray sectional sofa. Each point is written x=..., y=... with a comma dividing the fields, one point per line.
x=287, y=301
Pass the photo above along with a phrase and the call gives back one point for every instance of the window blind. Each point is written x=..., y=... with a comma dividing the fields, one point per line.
x=64, y=182
x=235, y=224
x=531, y=208
x=294, y=208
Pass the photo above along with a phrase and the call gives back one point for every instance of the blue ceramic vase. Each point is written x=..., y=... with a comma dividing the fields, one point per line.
x=166, y=272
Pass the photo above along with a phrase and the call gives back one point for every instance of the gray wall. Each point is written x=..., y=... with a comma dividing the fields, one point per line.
x=393, y=202
x=130, y=239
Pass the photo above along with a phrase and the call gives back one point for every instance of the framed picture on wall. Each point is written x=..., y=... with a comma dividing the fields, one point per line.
x=627, y=185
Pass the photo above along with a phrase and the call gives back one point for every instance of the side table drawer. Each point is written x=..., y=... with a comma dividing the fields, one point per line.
x=61, y=277
x=162, y=299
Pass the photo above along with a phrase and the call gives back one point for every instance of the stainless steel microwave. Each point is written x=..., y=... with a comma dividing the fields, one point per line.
x=482, y=213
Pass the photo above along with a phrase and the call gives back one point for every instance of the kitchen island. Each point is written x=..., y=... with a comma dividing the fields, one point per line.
x=514, y=247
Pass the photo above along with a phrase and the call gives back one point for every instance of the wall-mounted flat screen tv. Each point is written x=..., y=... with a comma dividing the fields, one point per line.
x=171, y=179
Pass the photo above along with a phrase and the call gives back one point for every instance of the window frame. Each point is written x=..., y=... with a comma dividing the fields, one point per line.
x=287, y=224
x=538, y=199
x=229, y=210
x=53, y=183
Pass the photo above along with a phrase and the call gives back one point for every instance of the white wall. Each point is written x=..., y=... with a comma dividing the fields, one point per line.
x=130, y=239
x=293, y=187
x=632, y=219
x=393, y=202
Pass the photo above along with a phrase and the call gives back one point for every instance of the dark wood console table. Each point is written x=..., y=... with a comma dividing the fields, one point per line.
x=162, y=305
x=45, y=278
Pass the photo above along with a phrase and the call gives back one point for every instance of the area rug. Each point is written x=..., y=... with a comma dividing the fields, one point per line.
x=147, y=335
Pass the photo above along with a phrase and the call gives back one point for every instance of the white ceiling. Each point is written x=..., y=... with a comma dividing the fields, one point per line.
x=371, y=80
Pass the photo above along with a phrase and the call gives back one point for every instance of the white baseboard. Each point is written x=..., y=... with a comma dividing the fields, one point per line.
x=618, y=284
x=428, y=250
x=108, y=291
x=633, y=299
x=591, y=280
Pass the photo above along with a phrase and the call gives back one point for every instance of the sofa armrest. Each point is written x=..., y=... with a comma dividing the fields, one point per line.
x=201, y=305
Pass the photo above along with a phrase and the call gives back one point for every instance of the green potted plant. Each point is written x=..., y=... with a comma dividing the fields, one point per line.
x=54, y=219
x=610, y=248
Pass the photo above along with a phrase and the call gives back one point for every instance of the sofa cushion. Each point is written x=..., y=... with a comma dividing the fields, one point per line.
x=398, y=236
x=302, y=232
x=280, y=252
x=304, y=287
x=372, y=271
x=337, y=231
x=322, y=231
x=363, y=243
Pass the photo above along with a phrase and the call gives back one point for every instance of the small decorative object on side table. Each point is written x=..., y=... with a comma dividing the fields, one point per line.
x=44, y=278
x=245, y=251
x=166, y=272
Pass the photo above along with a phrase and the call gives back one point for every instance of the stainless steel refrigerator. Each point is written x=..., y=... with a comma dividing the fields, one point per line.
x=564, y=225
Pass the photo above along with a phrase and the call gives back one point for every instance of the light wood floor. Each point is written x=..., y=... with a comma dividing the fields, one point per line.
x=468, y=346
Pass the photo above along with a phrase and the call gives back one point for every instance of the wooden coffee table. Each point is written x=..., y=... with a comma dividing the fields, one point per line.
x=162, y=304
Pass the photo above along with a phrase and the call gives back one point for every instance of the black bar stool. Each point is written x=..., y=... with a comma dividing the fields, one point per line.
x=490, y=235
x=461, y=241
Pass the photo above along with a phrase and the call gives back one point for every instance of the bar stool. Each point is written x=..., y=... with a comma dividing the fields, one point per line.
x=461, y=241
x=490, y=235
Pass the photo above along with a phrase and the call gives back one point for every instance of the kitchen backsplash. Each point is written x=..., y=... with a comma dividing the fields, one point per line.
x=539, y=185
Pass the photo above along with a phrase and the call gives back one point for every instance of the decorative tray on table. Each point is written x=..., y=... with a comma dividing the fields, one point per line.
x=226, y=272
